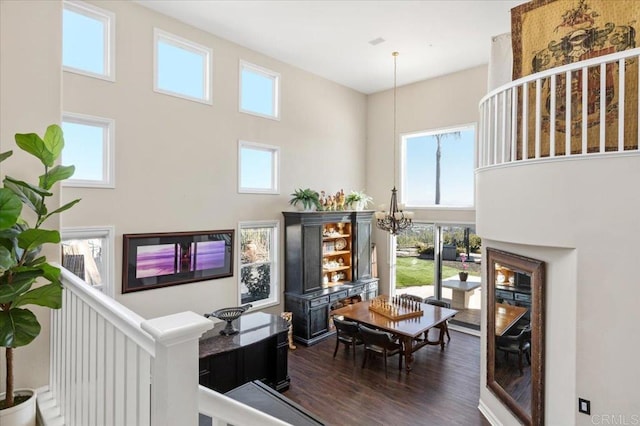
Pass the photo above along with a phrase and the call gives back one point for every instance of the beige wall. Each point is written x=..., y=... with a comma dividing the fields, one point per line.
x=580, y=217
x=438, y=103
x=30, y=42
x=176, y=160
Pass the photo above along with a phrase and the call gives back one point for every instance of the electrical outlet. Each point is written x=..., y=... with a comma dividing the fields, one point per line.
x=584, y=406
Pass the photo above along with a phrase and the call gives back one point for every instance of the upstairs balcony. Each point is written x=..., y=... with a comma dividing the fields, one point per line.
x=581, y=110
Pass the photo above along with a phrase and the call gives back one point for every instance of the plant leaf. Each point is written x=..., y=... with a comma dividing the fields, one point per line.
x=19, y=285
x=30, y=198
x=18, y=327
x=54, y=141
x=49, y=295
x=10, y=208
x=5, y=155
x=62, y=208
x=34, y=145
x=6, y=259
x=32, y=238
x=56, y=174
x=36, y=189
x=50, y=272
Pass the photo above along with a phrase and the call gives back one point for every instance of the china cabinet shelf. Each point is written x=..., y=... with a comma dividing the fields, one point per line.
x=336, y=253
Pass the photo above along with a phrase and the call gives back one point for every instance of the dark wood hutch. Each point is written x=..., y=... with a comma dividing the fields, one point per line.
x=327, y=262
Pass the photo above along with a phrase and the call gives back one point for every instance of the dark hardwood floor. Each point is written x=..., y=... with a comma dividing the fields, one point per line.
x=442, y=389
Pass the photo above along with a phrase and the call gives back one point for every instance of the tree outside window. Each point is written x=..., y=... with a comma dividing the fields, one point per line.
x=438, y=168
x=258, y=263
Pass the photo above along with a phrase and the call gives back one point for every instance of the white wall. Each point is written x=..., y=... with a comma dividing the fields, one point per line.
x=30, y=63
x=580, y=217
x=176, y=160
x=438, y=103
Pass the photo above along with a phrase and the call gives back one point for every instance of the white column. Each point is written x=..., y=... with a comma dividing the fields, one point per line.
x=174, y=382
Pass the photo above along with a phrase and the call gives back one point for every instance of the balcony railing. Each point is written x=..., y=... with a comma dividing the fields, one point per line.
x=581, y=109
x=109, y=366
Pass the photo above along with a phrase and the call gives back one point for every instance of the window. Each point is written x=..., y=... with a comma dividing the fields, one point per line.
x=259, y=263
x=438, y=168
x=181, y=68
x=89, y=146
x=258, y=168
x=88, y=253
x=259, y=91
x=88, y=40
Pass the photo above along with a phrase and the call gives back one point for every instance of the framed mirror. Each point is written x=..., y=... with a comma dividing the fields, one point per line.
x=515, y=333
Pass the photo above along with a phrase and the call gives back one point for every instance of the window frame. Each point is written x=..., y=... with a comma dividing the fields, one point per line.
x=274, y=297
x=402, y=166
x=105, y=233
x=275, y=76
x=108, y=150
x=275, y=167
x=193, y=47
x=109, y=20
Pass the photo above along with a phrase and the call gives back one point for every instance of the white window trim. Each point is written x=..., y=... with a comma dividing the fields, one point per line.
x=164, y=36
x=109, y=20
x=276, y=89
x=274, y=300
x=275, y=168
x=108, y=151
x=105, y=232
x=403, y=165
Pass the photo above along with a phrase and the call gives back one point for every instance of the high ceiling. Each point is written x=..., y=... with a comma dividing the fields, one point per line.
x=332, y=38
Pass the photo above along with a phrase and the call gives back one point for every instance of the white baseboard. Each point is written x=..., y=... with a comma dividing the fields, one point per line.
x=464, y=330
x=48, y=411
x=488, y=414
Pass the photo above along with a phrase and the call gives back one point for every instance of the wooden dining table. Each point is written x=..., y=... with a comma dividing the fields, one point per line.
x=406, y=329
x=507, y=316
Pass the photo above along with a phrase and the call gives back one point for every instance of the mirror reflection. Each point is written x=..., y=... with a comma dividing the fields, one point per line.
x=513, y=334
x=515, y=330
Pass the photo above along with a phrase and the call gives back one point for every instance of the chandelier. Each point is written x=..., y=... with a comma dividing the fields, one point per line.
x=395, y=220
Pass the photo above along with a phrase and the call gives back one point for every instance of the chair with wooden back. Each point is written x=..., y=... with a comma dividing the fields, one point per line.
x=380, y=343
x=347, y=332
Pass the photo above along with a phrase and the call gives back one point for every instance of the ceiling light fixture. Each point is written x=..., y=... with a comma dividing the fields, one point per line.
x=396, y=220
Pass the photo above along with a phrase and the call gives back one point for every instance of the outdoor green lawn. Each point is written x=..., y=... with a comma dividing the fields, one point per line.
x=412, y=271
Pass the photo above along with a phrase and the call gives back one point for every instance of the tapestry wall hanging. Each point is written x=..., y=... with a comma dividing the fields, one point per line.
x=550, y=33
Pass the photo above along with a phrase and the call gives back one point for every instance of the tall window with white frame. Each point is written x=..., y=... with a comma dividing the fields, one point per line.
x=89, y=146
x=182, y=68
x=88, y=40
x=259, y=263
x=258, y=168
x=437, y=168
x=259, y=91
x=88, y=253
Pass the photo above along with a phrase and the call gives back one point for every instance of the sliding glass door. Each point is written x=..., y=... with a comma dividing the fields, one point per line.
x=430, y=258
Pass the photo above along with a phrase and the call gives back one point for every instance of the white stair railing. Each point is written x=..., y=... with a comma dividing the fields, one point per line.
x=559, y=113
x=109, y=366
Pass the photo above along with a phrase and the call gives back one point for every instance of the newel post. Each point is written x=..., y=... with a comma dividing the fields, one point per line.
x=174, y=382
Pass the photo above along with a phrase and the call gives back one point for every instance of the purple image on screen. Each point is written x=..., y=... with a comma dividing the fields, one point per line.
x=210, y=255
x=153, y=261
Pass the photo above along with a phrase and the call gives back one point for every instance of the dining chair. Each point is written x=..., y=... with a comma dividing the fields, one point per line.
x=380, y=343
x=519, y=344
x=347, y=332
x=413, y=297
x=444, y=327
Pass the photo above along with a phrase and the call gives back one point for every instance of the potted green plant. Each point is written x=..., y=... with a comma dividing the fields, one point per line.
x=358, y=200
x=22, y=237
x=307, y=199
